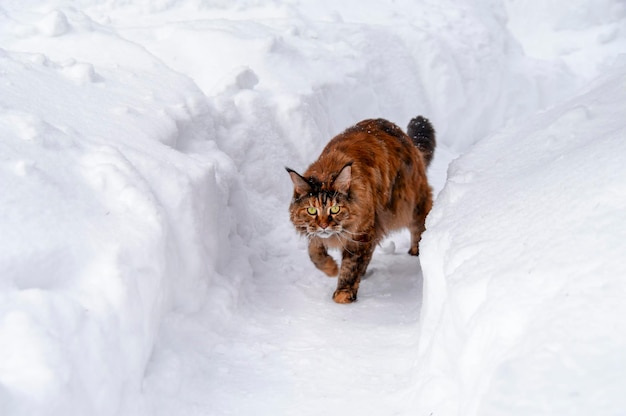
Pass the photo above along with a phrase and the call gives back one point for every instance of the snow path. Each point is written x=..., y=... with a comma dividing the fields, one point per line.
x=291, y=350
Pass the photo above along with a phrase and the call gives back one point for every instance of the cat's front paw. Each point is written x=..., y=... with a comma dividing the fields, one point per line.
x=414, y=251
x=344, y=296
x=330, y=267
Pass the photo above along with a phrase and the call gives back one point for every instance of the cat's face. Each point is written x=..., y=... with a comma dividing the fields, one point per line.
x=321, y=210
x=320, y=215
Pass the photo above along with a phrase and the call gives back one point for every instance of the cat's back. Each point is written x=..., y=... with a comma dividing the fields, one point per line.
x=369, y=135
x=370, y=145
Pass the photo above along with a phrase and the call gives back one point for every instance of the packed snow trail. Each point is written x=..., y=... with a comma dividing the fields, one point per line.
x=291, y=350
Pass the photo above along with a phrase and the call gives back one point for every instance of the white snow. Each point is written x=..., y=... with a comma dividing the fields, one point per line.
x=525, y=294
x=148, y=266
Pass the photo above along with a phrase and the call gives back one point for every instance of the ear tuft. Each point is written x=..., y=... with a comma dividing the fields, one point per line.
x=343, y=179
x=300, y=185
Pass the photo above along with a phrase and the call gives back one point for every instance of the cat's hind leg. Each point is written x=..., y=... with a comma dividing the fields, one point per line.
x=417, y=225
x=320, y=257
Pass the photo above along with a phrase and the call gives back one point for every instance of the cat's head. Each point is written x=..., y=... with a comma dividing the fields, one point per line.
x=321, y=208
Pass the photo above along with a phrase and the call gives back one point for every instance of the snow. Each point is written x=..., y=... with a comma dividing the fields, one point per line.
x=148, y=265
x=526, y=293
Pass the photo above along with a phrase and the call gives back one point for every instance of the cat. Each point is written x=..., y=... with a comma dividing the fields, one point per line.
x=368, y=181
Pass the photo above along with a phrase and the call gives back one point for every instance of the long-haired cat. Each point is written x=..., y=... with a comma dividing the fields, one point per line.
x=368, y=181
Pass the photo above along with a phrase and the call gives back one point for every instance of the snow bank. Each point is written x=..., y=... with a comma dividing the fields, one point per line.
x=586, y=37
x=106, y=224
x=523, y=258
x=317, y=66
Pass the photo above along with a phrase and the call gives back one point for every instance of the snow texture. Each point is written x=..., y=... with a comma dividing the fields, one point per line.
x=148, y=266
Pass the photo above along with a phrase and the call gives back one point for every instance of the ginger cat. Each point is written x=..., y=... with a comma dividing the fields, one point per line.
x=368, y=181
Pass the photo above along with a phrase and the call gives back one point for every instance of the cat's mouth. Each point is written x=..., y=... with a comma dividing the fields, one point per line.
x=325, y=233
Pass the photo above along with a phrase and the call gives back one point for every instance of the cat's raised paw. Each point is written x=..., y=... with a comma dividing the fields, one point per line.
x=344, y=296
x=330, y=268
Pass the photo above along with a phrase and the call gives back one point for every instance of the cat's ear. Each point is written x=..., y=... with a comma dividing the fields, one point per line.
x=343, y=179
x=300, y=185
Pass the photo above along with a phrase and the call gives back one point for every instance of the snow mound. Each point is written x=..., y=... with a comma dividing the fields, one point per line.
x=105, y=225
x=523, y=258
x=586, y=37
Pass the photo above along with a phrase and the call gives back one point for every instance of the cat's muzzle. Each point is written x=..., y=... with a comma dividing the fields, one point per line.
x=325, y=233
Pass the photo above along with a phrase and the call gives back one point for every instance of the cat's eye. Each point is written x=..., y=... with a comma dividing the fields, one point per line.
x=334, y=209
x=311, y=210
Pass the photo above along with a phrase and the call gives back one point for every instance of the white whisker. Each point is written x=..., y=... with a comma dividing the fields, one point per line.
x=342, y=243
x=351, y=236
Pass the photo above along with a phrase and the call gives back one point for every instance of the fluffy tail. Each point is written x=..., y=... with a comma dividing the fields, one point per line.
x=423, y=135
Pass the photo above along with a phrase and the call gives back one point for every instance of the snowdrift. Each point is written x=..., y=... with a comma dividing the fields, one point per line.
x=106, y=222
x=524, y=273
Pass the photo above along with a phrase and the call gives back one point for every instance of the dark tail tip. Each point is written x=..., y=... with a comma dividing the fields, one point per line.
x=422, y=134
